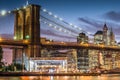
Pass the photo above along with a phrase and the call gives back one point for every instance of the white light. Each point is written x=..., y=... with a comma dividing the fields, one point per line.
x=45, y=22
x=60, y=29
x=55, y=27
x=49, y=13
x=17, y=8
x=65, y=31
x=79, y=28
x=50, y=24
x=14, y=37
x=75, y=26
x=60, y=19
x=44, y=10
x=70, y=24
x=9, y=11
x=24, y=7
x=55, y=16
x=3, y=12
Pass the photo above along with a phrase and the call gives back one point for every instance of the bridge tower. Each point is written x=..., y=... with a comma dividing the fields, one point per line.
x=27, y=27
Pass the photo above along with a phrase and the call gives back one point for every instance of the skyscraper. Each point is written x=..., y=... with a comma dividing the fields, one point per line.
x=82, y=54
x=105, y=37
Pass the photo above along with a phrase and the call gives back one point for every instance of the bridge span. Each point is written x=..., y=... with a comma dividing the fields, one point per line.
x=59, y=45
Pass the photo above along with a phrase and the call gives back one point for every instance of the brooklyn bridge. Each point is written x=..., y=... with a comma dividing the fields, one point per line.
x=27, y=45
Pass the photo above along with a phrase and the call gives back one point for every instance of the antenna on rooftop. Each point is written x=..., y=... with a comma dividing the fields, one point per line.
x=27, y=2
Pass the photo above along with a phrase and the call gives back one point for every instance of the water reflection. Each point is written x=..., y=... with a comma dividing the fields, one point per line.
x=103, y=77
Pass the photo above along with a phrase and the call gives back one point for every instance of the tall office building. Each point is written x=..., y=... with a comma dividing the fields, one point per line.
x=82, y=54
x=105, y=37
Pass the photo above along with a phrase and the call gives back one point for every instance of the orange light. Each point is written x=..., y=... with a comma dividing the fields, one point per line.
x=48, y=42
x=25, y=41
x=0, y=39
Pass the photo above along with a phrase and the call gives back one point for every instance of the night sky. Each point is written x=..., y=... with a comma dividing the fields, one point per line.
x=89, y=15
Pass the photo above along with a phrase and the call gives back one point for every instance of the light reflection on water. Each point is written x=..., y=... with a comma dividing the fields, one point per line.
x=103, y=77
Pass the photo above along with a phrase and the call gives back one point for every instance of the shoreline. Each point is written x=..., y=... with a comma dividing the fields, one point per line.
x=46, y=74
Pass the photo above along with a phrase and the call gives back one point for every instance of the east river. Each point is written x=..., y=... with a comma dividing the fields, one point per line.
x=102, y=77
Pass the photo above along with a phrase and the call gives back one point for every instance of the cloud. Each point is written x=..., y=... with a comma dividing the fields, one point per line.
x=112, y=15
x=6, y=36
x=50, y=33
x=94, y=24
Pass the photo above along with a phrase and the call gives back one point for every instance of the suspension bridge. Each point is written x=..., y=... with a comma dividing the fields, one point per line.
x=28, y=36
x=56, y=23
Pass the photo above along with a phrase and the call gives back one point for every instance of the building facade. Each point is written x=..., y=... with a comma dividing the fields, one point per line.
x=82, y=54
x=105, y=36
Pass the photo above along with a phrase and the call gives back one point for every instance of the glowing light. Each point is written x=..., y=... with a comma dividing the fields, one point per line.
x=44, y=10
x=9, y=11
x=49, y=13
x=17, y=8
x=60, y=19
x=55, y=27
x=0, y=39
x=3, y=12
x=70, y=24
x=51, y=40
x=75, y=26
x=45, y=22
x=65, y=31
x=55, y=16
x=60, y=29
x=27, y=36
x=79, y=28
x=50, y=24
x=25, y=41
x=14, y=37
x=24, y=7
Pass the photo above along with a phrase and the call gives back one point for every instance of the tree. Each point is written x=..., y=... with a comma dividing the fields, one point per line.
x=1, y=53
x=1, y=56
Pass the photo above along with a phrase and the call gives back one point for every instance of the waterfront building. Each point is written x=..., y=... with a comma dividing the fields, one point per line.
x=53, y=60
x=48, y=64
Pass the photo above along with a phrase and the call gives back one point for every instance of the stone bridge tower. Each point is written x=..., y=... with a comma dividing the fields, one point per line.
x=27, y=27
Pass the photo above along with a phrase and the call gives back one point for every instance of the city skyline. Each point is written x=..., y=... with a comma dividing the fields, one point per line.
x=32, y=26
x=89, y=18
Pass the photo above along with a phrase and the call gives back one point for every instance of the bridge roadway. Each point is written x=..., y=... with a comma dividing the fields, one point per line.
x=59, y=45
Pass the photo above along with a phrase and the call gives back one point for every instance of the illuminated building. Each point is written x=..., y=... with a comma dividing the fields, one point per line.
x=82, y=38
x=48, y=64
x=70, y=55
x=105, y=37
x=82, y=54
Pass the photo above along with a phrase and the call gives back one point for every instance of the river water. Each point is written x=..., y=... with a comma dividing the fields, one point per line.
x=102, y=77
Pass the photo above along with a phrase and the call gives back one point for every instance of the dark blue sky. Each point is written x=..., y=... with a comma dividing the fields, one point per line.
x=90, y=15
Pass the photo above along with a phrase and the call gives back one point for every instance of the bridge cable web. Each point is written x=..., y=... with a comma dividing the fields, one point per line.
x=60, y=19
x=56, y=26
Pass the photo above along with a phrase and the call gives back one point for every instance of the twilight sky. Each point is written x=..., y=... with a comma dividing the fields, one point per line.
x=89, y=15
